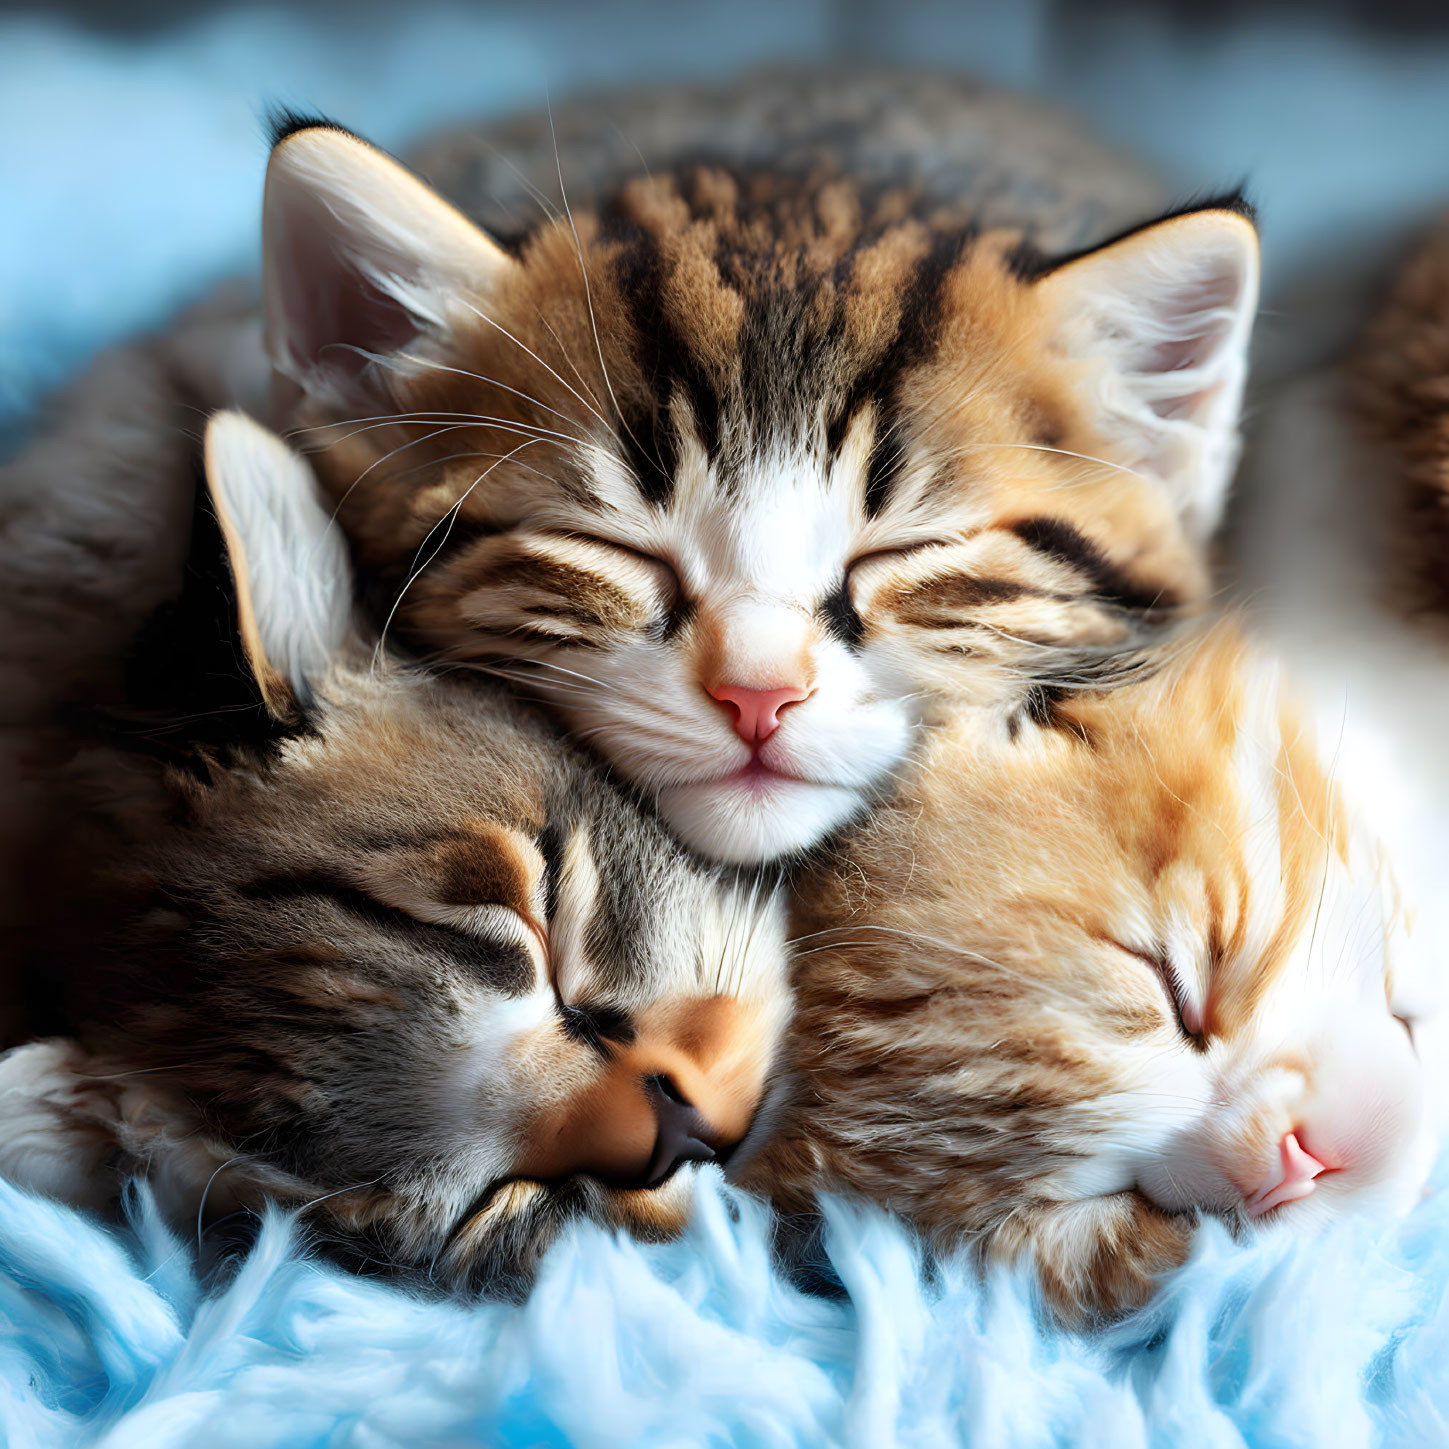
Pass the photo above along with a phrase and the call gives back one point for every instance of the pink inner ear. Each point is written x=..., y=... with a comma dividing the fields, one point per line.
x=334, y=315
x=1198, y=327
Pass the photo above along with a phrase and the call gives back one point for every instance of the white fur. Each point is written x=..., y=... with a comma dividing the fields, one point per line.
x=57, y=1123
x=300, y=582
x=578, y=892
x=74, y=1126
x=1165, y=317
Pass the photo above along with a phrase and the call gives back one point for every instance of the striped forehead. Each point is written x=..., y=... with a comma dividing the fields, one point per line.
x=781, y=523
x=759, y=317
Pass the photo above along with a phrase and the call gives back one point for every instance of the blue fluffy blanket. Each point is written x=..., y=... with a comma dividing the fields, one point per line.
x=1334, y=1342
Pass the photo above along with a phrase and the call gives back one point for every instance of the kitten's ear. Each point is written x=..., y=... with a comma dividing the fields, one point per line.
x=293, y=585
x=1166, y=313
x=358, y=257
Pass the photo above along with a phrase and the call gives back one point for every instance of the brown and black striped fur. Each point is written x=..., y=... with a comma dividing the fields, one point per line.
x=841, y=416
x=374, y=944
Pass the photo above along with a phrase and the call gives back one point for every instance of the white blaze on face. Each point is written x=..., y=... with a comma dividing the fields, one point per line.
x=756, y=555
x=762, y=563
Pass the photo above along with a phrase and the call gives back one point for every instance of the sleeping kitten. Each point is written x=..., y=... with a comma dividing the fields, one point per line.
x=769, y=439
x=392, y=953
x=1068, y=994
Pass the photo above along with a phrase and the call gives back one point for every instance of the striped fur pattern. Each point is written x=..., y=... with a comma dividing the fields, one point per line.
x=394, y=954
x=800, y=425
x=1399, y=380
x=1061, y=1008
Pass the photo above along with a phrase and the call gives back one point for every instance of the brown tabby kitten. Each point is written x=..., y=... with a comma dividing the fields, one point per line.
x=390, y=953
x=1399, y=378
x=767, y=440
x=1066, y=995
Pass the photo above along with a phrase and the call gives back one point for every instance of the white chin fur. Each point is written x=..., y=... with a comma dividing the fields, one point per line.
x=744, y=826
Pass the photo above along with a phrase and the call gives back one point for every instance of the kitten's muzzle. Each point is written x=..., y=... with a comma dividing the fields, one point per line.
x=683, y=1088
x=670, y=1132
x=1291, y=1176
x=683, y=1132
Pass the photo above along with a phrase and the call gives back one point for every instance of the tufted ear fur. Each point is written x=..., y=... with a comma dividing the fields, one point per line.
x=293, y=585
x=358, y=258
x=1164, y=315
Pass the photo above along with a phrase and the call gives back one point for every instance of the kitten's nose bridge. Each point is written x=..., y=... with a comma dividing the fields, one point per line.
x=756, y=661
x=681, y=1090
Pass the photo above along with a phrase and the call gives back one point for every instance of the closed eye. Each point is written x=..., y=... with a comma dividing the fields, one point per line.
x=614, y=545
x=897, y=551
x=1184, y=1009
x=596, y=1024
x=483, y=921
x=466, y=935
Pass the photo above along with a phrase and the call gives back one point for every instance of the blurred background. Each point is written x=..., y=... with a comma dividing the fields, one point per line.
x=131, y=143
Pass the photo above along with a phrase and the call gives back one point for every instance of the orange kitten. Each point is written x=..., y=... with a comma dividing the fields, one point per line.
x=1068, y=993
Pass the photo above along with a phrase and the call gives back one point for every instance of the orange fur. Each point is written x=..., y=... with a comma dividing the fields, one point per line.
x=987, y=1038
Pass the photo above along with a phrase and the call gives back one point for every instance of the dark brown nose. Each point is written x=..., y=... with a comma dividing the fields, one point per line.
x=682, y=1131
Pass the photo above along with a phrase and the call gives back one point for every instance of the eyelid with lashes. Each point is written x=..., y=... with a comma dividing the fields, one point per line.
x=478, y=921
x=903, y=550
x=642, y=554
x=1189, y=1014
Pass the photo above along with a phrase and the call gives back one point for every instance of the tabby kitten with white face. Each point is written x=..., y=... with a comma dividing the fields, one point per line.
x=1067, y=995
x=738, y=467
x=395, y=955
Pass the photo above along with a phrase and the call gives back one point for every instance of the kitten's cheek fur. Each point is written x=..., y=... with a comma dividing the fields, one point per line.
x=59, y=1124
x=741, y=825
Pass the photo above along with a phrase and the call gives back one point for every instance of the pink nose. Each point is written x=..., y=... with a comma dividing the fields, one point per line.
x=1289, y=1179
x=757, y=711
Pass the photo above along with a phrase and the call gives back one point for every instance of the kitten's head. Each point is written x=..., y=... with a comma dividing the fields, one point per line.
x=1148, y=973
x=406, y=958
x=736, y=471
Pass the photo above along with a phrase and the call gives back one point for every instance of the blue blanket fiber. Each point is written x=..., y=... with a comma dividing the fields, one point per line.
x=1339, y=1340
